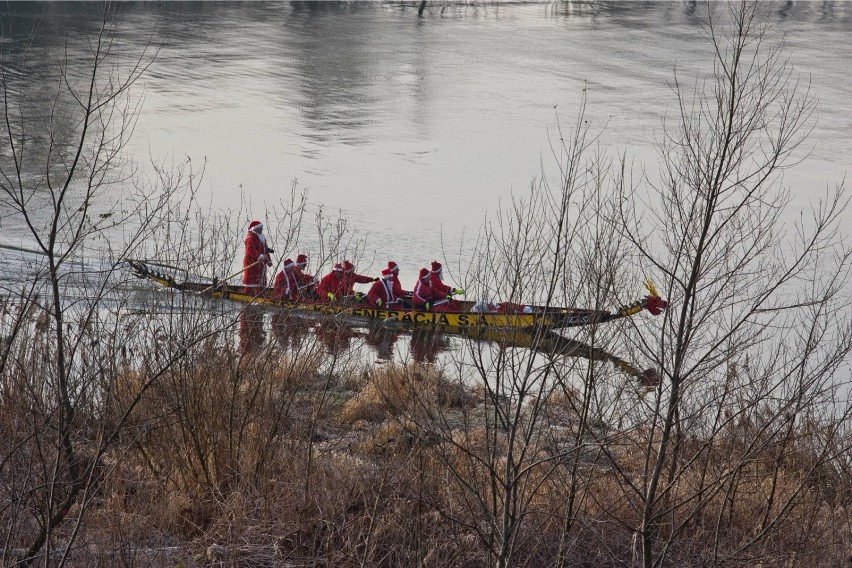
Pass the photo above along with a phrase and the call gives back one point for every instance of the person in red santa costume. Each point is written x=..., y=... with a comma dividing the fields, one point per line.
x=333, y=285
x=307, y=282
x=286, y=285
x=256, y=259
x=426, y=297
x=394, y=268
x=386, y=293
x=436, y=279
x=352, y=278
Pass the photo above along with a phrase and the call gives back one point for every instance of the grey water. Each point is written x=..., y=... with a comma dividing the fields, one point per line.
x=416, y=126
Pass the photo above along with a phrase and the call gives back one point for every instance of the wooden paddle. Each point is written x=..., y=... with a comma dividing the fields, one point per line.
x=226, y=278
x=154, y=263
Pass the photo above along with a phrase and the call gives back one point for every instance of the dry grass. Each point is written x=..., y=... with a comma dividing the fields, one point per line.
x=392, y=390
x=263, y=460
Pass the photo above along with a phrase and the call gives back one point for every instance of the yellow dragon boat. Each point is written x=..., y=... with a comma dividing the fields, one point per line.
x=526, y=318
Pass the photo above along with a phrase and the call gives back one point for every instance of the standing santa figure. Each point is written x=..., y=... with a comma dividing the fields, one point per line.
x=256, y=259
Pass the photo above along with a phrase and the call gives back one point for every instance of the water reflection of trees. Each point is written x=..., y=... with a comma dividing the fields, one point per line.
x=634, y=15
x=335, y=65
x=29, y=64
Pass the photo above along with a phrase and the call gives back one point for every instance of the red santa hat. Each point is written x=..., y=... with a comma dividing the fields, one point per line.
x=337, y=267
x=392, y=267
x=289, y=264
x=436, y=267
x=348, y=267
x=387, y=274
x=302, y=260
x=424, y=273
x=255, y=226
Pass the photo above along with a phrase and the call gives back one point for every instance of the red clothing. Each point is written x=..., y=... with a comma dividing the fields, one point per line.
x=445, y=306
x=352, y=279
x=424, y=292
x=333, y=283
x=397, y=284
x=439, y=286
x=510, y=308
x=388, y=291
x=305, y=281
x=256, y=249
x=286, y=286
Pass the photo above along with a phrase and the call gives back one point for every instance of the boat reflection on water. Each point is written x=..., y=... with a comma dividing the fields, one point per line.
x=383, y=341
x=289, y=331
x=335, y=337
x=293, y=333
x=252, y=333
x=552, y=343
x=335, y=325
x=426, y=344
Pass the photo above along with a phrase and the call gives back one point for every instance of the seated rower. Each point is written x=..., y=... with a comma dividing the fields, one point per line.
x=332, y=286
x=386, y=293
x=426, y=297
x=351, y=278
x=436, y=278
x=394, y=268
x=307, y=282
x=286, y=286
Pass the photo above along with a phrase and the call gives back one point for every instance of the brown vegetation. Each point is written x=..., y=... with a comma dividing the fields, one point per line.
x=213, y=468
x=132, y=438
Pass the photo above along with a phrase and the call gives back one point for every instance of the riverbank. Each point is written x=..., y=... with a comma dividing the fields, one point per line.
x=264, y=459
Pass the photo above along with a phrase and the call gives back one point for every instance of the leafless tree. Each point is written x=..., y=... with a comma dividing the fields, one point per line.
x=752, y=351
x=739, y=455
x=743, y=437
x=538, y=415
x=64, y=179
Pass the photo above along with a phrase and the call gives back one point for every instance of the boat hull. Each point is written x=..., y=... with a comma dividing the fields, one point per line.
x=535, y=317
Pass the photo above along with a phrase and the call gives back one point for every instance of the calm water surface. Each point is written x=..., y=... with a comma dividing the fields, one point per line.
x=416, y=127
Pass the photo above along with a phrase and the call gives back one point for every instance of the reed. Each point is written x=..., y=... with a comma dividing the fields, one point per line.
x=213, y=462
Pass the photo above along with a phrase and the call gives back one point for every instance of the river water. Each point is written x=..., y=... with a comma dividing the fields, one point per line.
x=413, y=126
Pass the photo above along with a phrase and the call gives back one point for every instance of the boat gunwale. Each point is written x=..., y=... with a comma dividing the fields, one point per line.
x=540, y=318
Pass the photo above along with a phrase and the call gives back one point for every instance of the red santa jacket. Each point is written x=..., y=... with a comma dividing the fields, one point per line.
x=255, y=247
x=352, y=278
x=304, y=280
x=436, y=282
x=438, y=285
x=423, y=291
x=286, y=285
x=386, y=290
x=333, y=283
x=394, y=269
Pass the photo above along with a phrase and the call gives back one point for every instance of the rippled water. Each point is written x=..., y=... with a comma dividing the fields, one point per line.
x=415, y=127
